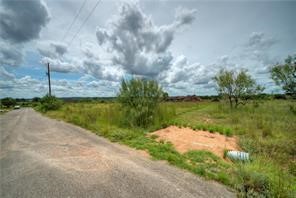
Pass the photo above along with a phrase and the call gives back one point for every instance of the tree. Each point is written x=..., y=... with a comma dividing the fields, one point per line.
x=236, y=87
x=36, y=99
x=8, y=102
x=139, y=99
x=165, y=96
x=285, y=75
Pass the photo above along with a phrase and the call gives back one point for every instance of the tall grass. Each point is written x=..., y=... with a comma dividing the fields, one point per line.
x=267, y=131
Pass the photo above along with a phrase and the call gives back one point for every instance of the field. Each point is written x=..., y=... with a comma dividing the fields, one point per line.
x=266, y=129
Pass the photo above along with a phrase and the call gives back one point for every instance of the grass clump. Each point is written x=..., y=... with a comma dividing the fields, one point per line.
x=211, y=166
x=261, y=179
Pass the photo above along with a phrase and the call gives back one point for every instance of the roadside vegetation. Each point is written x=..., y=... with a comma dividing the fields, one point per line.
x=8, y=104
x=48, y=103
x=266, y=131
x=264, y=124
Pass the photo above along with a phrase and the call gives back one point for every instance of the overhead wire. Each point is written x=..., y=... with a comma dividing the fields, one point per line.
x=74, y=19
x=85, y=20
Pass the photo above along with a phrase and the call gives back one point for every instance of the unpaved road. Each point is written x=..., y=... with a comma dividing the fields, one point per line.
x=41, y=157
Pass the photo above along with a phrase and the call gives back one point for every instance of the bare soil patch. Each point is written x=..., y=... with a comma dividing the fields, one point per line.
x=186, y=139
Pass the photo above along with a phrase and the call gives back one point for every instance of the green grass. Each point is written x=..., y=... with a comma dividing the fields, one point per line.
x=267, y=132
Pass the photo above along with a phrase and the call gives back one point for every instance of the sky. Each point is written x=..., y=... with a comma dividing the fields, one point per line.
x=91, y=45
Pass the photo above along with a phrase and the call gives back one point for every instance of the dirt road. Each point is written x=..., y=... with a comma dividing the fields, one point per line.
x=41, y=157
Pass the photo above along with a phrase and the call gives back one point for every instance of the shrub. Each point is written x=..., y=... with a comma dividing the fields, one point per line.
x=139, y=100
x=50, y=103
x=8, y=102
x=228, y=132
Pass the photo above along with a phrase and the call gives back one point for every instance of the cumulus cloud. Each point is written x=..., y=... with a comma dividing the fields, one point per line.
x=257, y=49
x=259, y=41
x=5, y=75
x=10, y=55
x=58, y=65
x=52, y=49
x=60, y=48
x=22, y=21
x=88, y=63
x=102, y=70
x=193, y=74
x=28, y=87
x=20, y=87
x=137, y=44
x=184, y=16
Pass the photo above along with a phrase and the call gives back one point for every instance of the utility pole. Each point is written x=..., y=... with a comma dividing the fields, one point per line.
x=48, y=75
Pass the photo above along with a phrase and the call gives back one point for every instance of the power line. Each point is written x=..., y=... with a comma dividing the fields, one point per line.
x=79, y=29
x=74, y=19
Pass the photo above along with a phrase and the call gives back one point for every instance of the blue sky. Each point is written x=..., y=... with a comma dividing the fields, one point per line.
x=181, y=44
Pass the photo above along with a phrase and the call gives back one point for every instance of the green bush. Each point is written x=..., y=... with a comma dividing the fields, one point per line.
x=8, y=102
x=50, y=103
x=139, y=99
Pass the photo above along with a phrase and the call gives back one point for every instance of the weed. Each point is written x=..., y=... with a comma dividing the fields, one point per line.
x=266, y=131
x=292, y=108
x=228, y=132
x=225, y=151
x=154, y=136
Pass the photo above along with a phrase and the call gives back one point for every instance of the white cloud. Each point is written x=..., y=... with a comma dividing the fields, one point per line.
x=147, y=41
x=258, y=40
x=137, y=44
x=10, y=55
x=5, y=75
x=58, y=65
x=28, y=87
x=20, y=23
x=52, y=49
x=193, y=74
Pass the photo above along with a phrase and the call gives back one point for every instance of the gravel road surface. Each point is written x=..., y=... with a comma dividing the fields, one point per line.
x=42, y=157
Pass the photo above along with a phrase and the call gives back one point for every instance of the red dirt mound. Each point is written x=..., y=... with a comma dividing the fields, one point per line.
x=186, y=139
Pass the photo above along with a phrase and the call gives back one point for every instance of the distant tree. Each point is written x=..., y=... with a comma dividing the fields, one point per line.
x=139, y=99
x=285, y=75
x=236, y=87
x=20, y=100
x=8, y=102
x=36, y=99
x=165, y=96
